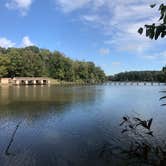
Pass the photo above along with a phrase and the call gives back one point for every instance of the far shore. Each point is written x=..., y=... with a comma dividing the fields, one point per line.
x=56, y=83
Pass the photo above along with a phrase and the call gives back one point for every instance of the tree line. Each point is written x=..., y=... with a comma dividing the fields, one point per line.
x=153, y=76
x=35, y=62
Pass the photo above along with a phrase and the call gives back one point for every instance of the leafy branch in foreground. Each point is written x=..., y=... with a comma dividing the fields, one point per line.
x=138, y=146
x=144, y=146
x=156, y=30
x=164, y=97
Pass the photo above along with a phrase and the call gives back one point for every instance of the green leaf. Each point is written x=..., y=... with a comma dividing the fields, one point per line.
x=152, y=5
x=152, y=34
x=158, y=32
x=161, y=6
x=162, y=34
x=162, y=15
x=150, y=133
x=150, y=123
x=163, y=97
x=140, y=30
x=123, y=131
x=125, y=118
x=164, y=19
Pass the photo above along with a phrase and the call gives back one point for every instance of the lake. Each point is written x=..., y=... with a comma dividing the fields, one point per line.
x=68, y=126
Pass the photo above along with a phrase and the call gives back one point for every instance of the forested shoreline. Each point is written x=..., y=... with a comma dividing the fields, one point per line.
x=153, y=76
x=35, y=62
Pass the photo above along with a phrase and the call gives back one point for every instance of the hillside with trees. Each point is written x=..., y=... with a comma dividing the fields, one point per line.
x=153, y=76
x=35, y=62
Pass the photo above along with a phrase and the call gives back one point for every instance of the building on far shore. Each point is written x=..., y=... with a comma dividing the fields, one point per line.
x=25, y=81
x=5, y=81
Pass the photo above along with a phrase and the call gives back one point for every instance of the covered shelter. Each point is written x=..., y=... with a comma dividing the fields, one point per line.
x=31, y=81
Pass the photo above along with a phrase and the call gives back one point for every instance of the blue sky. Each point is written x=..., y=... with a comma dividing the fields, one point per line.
x=102, y=31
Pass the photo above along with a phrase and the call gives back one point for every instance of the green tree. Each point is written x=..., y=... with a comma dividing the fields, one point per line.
x=16, y=63
x=156, y=76
x=69, y=69
x=35, y=62
x=4, y=65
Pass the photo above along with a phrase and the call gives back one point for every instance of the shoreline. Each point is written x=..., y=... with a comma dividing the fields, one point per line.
x=55, y=82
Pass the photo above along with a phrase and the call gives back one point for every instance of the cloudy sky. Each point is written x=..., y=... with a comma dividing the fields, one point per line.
x=102, y=31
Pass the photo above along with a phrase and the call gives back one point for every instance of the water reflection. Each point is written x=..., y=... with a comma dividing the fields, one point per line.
x=9, y=94
x=68, y=125
x=33, y=100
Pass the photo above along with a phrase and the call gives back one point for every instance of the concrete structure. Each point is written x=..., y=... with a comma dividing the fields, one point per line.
x=25, y=81
x=5, y=81
x=30, y=81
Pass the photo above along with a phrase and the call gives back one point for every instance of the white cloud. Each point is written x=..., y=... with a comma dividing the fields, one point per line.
x=26, y=42
x=21, y=5
x=71, y=5
x=160, y=56
x=116, y=63
x=5, y=43
x=104, y=51
x=149, y=57
x=119, y=20
x=90, y=18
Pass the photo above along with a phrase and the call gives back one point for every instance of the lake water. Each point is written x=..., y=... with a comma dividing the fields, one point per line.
x=68, y=126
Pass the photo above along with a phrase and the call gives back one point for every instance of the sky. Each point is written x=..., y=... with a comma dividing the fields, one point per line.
x=101, y=31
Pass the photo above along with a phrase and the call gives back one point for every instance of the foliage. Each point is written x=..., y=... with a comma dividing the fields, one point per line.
x=4, y=64
x=154, y=76
x=156, y=30
x=35, y=62
x=144, y=146
x=138, y=144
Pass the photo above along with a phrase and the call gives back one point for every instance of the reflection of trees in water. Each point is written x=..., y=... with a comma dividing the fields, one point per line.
x=37, y=102
x=31, y=107
x=45, y=93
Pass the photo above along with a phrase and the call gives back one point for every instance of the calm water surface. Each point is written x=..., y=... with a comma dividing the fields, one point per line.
x=68, y=126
